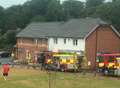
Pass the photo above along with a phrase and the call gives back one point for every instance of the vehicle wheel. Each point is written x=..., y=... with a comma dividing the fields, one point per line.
x=98, y=70
x=62, y=69
x=106, y=72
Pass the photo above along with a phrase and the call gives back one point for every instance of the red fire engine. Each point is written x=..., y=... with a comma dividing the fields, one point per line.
x=109, y=64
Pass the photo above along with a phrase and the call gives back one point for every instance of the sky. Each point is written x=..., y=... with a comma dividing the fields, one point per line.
x=8, y=3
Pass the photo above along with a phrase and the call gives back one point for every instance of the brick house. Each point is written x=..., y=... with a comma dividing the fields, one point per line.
x=89, y=34
x=102, y=39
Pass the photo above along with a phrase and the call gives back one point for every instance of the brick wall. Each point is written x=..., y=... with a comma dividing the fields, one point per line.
x=30, y=45
x=107, y=41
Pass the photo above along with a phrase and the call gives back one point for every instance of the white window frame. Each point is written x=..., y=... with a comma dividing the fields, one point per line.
x=65, y=40
x=75, y=42
x=55, y=41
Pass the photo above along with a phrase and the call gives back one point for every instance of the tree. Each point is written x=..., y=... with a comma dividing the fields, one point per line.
x=38, y=18
x=110, y=12
x=114, y=0
x=93, y=3
x=37, y=7
x=17, y=17
x=2, y=19
x=50, y=10
x=54, y=11
x=73, y=9
x=20, y=16
x=8, y=40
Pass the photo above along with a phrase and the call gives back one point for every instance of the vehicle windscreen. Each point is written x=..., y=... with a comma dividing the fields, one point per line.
x=99, y=59
x=111, y=59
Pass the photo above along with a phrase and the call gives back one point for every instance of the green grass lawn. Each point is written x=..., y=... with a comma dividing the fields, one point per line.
x=29, y=78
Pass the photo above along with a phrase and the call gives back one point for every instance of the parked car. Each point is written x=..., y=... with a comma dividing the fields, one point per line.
x=5, y=57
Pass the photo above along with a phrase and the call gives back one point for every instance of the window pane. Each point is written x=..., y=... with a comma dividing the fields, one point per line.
x=55, y=40
x=75, y=42
x=64, y=41
x=111, y=59
x=99, y=59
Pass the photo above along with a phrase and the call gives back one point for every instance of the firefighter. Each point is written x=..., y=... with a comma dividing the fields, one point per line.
x=5, y=69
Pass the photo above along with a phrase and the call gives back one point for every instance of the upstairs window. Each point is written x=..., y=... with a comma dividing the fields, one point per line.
x=75, y=42
x=39, y=41
x=32, y=41
x=55, y=41
x=64, y=40
x=42, y=41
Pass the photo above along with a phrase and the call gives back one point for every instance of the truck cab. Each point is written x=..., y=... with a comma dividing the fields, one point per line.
x=108, y=64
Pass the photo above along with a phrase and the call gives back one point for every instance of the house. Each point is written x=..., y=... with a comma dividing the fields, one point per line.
x=89, y=34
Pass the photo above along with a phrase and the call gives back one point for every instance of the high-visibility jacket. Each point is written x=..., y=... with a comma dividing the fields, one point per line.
x=6, y=68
